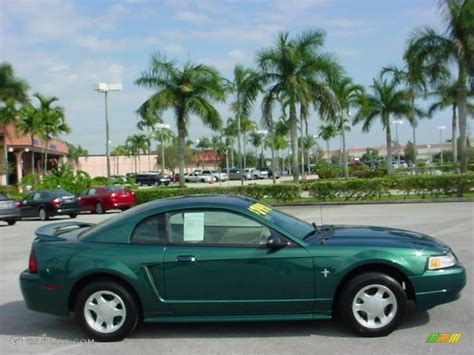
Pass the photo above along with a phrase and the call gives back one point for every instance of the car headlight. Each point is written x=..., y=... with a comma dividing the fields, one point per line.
x=441, y=262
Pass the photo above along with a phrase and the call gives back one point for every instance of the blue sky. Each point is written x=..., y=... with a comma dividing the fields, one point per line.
x=63, y=48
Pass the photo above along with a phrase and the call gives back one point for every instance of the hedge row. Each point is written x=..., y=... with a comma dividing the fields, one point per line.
x=327, y=190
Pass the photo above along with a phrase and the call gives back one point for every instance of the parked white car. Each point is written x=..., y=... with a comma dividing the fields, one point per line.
x=214, y=173
x=197, y=177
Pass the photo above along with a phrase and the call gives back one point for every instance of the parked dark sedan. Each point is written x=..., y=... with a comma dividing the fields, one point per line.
x=9, y=210
x=49, y=203
x=152, y=179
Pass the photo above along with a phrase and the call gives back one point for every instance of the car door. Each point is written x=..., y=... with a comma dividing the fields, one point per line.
x=27, y=205
x=217, y=263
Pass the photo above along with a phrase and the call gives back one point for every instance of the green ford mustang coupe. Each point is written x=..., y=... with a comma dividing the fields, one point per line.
x=228, y=258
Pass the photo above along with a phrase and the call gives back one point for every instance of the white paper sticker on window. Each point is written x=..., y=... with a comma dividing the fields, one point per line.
x=194, y=227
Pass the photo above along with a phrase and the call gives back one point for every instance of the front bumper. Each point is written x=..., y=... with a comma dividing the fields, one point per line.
x=42, y=295
x=436, y=287
x=66, y=211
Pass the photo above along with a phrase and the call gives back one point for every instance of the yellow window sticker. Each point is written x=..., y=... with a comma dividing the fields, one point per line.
x=259, y=209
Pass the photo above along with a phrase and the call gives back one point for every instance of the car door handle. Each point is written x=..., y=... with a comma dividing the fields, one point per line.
x=186, y=258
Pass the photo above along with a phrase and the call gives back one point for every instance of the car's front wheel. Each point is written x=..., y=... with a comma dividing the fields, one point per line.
x=372, y=304
x=99, y=208
x=106, y=311
x=43, y=214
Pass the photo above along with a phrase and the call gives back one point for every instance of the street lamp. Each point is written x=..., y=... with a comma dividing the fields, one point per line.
x=105, y=88
x=396, y=123
x=441, y=129
x=162, y=127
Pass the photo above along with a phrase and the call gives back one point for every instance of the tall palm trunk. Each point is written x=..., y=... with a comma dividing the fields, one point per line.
x=181, y=145
x=344, y=149
x=45, y=151
x=462, y=118
x=413, y=125
x=244, y=149
x=389, y=146
x=454, y=136
x=239, y=151
x=294, y=140
x=32, y=160
x=301, y=148
x=328, y=154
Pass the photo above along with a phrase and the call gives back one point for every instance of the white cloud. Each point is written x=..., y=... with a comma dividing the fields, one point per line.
x=238, y=55
x=192, y=17
x=174, y=48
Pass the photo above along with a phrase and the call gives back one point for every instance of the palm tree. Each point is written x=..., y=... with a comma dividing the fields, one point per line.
x=348, y=95
x=30, y=124
x=164, y=136
x=246, y=126
x=256, y=139
x=11, y=87
x=230, y=133
x=455, y=46
x=148, y=120
x=136, y=144
x=186, y=90
x=245, y=87
x=118, y=151
x=52, y=121
x=385, y=101
x=308, y=142
x=74, y=153
x=326, y=133
x=447, y=97
x=296, y=72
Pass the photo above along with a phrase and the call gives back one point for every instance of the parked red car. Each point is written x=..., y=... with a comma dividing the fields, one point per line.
x=99, y=199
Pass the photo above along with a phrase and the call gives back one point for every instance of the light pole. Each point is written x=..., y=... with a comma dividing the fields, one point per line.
x=397, y=123
x=441, y=129
x=105, y=88
x=162, y=127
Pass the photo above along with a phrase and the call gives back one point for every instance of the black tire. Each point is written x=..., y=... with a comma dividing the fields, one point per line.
x=11, y=222
x=389, y=288
x=129, y=321
x=202, y=180
x=43, y=214
x=99, y=208
x=124, y=208
x=73, y=215
x=186, y=180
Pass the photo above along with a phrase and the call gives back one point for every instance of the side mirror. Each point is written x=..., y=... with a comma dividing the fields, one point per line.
x=275, y=242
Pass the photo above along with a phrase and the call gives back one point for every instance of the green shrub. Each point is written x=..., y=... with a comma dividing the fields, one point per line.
x=99, y=181
x=329, y=171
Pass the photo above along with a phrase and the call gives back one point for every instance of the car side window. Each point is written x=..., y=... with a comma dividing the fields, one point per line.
x=92, y=192
x=36, y=196
x=151, y=230
x=215, y=228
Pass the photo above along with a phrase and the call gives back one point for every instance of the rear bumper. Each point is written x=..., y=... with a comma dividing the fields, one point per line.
x=66, y=211
x=436, y=287
x=42, y=295
x=10, y=215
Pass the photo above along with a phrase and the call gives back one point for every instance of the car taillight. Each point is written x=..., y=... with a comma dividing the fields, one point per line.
x=56, y=202
x=18, y=204
x=32, y=266
x=113, y=194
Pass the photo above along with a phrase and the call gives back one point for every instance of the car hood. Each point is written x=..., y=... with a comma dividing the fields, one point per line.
x=370, y=236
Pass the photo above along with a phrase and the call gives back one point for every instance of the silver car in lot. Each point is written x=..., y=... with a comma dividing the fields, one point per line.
x=240, y=174
x=9, y=210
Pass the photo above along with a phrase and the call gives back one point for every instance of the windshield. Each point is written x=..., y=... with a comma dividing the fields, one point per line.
x=295, y=226
x=60, y=193
x=113, y=188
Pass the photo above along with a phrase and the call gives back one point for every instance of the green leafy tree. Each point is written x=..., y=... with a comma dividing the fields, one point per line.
x=370, y=154
x=116, y=152
x=256, y=139
x=446, y=96
x=13, y=90
x=295, y=71
x=326, y=133
x=186, y=90
x=137, y=144
x=53, y=122
x=74, y=153
x=149, y=118
x=349, y=96
x=385, y=101
x=246, y=126
x=245, y=87
x=453, y=47
x=410, y=151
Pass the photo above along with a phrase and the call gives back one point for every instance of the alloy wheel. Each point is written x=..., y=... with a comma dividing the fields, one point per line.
x=105, y=311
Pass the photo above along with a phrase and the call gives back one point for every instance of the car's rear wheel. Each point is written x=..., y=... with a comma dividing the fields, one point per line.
x=72, y=215
x=372, y=304
x=11, y=222
x=99, y=208
x=43, y=214
x=106, y=311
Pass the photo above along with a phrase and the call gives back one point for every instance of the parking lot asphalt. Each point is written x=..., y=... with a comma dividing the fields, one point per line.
x=24, y=331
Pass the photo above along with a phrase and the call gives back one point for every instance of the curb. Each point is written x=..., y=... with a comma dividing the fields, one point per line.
x=371, y=202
